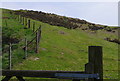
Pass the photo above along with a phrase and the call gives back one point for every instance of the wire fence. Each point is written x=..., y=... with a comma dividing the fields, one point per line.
x=16, y=52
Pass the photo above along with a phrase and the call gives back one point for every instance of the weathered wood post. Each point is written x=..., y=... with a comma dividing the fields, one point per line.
x=10, y=53
x=37, y=46
x=38, y=36
x=26, y=22
x=29, y=23
x=33, y=26
x=6, y=23
x=20, y=19
x=26, y=48
x=23, y=20
x=95, y=64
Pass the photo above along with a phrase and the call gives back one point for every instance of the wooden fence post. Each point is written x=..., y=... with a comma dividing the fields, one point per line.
x=20, y=18
x=95, y=64
x=26, y=22
x=10, y=53
x=38, y=36
x=29, y=23
x=37, y=46
x=6, y=23
x=23, y=20
x=26, y=48
x=33, y=26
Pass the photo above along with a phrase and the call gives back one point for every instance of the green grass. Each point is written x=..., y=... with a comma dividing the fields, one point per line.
x=14, y=30
x=65, y=49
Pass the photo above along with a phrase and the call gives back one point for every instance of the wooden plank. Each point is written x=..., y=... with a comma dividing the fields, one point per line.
x=35, y=31
x=35, y=73
x=31, y=41
x=76, y=76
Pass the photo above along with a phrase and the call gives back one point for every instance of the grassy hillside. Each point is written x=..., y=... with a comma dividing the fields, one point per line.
x=67, y=22
x=64, y=49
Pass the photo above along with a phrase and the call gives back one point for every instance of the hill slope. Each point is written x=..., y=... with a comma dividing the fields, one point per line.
x=65, y=49
x=67, y=22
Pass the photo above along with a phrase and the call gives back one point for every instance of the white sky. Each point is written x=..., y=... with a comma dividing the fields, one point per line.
x=105, y=13
x=59, y=0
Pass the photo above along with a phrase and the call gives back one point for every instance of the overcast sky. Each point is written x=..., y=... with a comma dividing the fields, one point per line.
x=105, y=13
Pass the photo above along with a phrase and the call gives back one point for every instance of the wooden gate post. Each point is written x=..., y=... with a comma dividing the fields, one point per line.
x=10, y=53
x=95, y=64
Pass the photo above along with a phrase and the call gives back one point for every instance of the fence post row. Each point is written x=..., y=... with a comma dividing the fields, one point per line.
x=10, y=53
x=95, y=64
